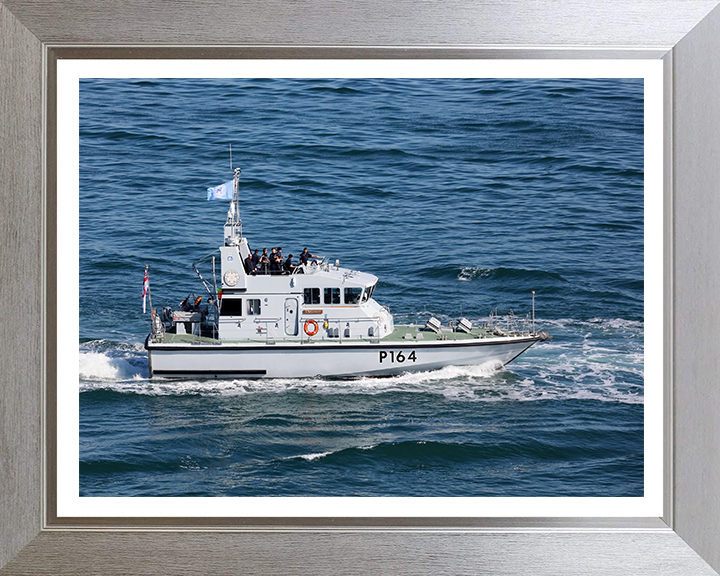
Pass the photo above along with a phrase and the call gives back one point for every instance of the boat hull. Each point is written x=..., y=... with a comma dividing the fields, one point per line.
x=340, y=359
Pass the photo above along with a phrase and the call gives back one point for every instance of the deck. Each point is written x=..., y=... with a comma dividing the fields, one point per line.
x=402, y=333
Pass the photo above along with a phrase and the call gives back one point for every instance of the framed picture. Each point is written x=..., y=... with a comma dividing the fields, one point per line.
x=319, y=170
x=680, y=539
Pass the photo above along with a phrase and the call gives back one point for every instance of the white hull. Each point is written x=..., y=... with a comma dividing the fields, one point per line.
x=346, y=359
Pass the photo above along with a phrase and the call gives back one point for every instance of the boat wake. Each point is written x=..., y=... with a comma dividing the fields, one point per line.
x=596, y=359
x=107, y=361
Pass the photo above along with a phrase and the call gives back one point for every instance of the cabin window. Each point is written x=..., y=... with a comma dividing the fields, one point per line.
x=311, y=296
x=368, y=293
x=332, y=295
x=352, y=295
x=253, y=306
x=231, y=307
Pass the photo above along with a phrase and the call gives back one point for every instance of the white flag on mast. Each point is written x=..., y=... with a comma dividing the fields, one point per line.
x=222, y=192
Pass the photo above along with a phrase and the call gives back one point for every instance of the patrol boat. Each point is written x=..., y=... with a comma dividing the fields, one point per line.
x=318, y=319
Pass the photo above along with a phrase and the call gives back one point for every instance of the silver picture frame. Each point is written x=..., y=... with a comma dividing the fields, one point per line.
x=684, y=34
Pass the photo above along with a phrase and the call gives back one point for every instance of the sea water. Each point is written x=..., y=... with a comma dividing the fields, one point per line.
x=462, y=195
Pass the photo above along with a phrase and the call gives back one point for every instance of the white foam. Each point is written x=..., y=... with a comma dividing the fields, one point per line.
x=469, y=273
x=563, y=383
x=103, y=345
x=101, y=366
x=311, y=457
x=605, y=324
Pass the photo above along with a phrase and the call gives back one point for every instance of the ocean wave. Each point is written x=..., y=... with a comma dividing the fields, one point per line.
x=103, y=344
x=334, y=90
x=608, y=170
x=311, y=457
x=417, y=451
x=469, y=273
x=120, y=134
x=500, y=274
x=109, y=361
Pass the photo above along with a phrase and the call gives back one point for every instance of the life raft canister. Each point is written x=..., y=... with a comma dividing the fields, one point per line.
x=311, y=327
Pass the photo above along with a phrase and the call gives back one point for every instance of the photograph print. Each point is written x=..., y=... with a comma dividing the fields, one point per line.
x=357, y=287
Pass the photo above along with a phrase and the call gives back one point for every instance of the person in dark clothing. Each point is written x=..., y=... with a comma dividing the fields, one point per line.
x=275, y=264
x=304, y=255
x=256, y=258
x=250, y=264
x=288, y=267
x=264, y=264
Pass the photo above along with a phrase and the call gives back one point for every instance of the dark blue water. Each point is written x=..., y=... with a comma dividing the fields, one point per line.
x=460, y=195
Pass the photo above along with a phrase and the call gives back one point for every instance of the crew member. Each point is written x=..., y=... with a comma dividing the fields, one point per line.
x=288, y=266
x=304, y=255
x=250, y=264
x=275, y=264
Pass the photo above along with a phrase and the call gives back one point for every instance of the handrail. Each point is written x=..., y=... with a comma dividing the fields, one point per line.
x=267, y=321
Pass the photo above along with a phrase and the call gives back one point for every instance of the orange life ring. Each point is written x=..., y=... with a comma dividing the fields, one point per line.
x=311, y=327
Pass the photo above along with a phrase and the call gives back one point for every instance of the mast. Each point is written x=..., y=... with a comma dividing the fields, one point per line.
x=533, y=311
x=233, y=224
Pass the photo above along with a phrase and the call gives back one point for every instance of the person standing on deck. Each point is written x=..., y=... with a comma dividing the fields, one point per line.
x=274, y=262
x=304, y=255
x=250, y=264
x=264, y=262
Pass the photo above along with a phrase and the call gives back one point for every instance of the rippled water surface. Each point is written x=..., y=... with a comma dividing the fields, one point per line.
x=462, y=196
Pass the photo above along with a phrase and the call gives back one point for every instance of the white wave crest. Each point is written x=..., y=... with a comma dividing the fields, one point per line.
x=469, y=273
x=103, y=367
x=311, y=457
